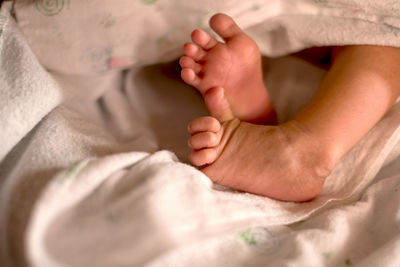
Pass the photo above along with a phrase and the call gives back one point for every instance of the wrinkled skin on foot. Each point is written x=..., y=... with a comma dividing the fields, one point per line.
x=279, y=162
x=283, y=162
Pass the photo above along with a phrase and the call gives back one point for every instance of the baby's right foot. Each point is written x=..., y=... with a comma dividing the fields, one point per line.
x=235, y=65
x=284, y=162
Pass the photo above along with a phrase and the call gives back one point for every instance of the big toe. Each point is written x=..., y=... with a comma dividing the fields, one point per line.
x=224, y=26
x=218, y=105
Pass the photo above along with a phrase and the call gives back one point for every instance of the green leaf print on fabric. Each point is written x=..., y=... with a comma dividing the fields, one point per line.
x=71, y=172
x=3, y=20
x=248, y=238
x=107, y=20
x=148, y=2
x=50, y=7
x=327, y=255
x=348, y=262
x=323, y=3
x=260, y=239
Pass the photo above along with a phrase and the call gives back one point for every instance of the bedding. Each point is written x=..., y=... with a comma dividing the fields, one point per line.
x=93, y=145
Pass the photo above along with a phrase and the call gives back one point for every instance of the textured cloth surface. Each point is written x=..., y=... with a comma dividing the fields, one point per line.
x=82, y=185
x=137, y=209
x=98, y=35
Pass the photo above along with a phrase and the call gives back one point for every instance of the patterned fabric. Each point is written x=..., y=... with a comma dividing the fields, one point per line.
x=87, y=36
x=3, y=20
x=111, y=208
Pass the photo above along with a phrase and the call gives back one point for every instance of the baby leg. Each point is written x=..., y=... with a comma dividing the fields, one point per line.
x=291, y=161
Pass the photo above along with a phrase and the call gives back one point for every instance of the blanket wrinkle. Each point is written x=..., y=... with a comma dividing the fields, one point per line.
x=84, y=179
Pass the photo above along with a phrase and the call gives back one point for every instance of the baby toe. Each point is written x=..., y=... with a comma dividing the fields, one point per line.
x=203, y=39
x=190, y=77
x=204, y=140
x=204, y=124
x=203, y=157
x=188, y=62
x=193, y=51
x=217, y=104
x=224, y=26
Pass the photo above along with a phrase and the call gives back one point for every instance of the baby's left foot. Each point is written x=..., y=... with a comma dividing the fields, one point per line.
x=282, y=162
x=234, y=64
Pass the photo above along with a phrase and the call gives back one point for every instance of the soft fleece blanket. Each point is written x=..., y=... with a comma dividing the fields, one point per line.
x=81, y=183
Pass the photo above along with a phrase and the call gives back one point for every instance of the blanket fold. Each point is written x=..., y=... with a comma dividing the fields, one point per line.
x=81, y=186
x=27, y=94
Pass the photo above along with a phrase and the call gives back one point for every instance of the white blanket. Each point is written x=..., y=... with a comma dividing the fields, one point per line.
x=137, y=209
x=75, y=191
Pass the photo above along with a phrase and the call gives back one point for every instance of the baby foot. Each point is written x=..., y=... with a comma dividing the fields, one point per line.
x=283, y=162
x=234, y=64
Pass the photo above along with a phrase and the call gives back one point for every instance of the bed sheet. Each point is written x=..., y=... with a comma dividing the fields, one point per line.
x=86, y=178
x=177, y=217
